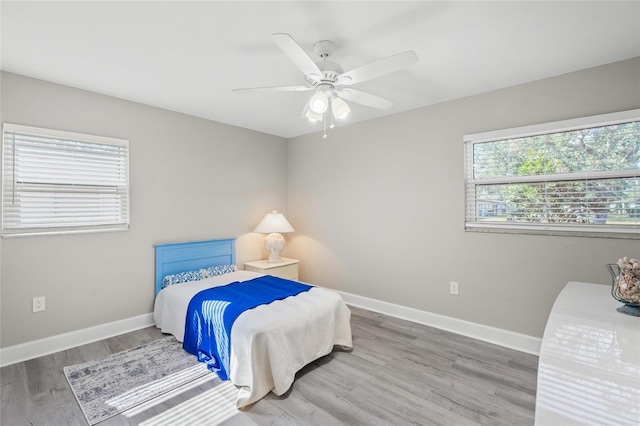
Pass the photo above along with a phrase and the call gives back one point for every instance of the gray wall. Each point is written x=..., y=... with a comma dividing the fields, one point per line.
x=191, y=179
x=378, y=207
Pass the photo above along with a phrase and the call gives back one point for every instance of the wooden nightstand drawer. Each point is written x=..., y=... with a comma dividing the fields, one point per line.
x=288, y=268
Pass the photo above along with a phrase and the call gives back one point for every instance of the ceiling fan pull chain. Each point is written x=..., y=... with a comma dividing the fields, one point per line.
x=324, y=124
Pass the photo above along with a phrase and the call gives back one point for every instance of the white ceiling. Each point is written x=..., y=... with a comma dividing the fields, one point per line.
x=187, y=56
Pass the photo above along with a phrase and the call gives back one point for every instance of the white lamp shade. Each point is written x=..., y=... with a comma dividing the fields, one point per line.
x=274, y=222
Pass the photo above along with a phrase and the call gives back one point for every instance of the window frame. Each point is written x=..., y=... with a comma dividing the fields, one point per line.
x=588, y=230
x=123, y=220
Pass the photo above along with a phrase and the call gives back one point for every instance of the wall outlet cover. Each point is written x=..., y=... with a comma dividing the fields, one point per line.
x=38, y=304
x=453, y=288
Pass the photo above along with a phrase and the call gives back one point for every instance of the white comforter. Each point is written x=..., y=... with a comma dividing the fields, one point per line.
x=270, y=343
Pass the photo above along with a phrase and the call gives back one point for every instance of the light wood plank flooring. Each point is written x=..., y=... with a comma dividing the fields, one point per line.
x=398, y=373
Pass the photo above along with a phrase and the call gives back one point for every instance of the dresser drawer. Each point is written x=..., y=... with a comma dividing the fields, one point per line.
x=289, y=272
x=287, y=269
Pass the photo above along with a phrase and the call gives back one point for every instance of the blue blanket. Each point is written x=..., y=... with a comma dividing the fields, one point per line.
x=212, y=312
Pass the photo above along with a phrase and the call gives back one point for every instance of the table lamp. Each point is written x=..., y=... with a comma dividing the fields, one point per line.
x=273, y=224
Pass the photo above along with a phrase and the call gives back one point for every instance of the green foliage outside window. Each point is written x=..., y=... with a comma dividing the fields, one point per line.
x=586, y=176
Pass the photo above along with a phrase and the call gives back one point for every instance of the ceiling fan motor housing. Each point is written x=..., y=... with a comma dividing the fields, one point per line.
x=330, y=73
x=330, y=70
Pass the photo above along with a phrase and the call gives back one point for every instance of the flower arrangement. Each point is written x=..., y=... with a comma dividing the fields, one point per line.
x=627, y=284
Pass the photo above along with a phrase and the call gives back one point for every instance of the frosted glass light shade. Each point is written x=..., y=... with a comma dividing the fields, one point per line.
x=319, y=102
x=313, y=116
x=274, y=223
x=339, y=108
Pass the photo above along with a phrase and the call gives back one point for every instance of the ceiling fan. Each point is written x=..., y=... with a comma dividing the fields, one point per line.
x=331, y=85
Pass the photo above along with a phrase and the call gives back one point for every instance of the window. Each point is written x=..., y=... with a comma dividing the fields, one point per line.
x=576, y=177
x=61, y=182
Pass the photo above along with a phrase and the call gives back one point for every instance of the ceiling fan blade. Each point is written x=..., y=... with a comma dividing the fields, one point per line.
x=273, y=89
x=378, y=68
x=364, y=98
x=297, y=55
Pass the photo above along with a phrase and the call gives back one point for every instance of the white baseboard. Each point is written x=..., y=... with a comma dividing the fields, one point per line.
x=37, y=348
x=509, y=339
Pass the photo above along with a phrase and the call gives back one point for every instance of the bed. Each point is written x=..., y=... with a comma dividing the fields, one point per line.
x=269, y=343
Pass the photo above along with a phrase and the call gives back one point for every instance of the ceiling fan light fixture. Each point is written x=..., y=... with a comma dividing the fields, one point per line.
x=339, y=108
x=319, y=102
x=326, y=79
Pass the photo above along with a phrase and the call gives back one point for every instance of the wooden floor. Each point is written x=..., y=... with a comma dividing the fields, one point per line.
x=398, y=373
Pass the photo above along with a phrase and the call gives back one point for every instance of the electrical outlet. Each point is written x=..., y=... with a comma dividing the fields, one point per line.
x=453, y=288
x=38, y=304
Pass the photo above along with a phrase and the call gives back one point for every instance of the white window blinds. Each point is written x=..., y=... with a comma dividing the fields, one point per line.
x=579, y=177
x=62, y=182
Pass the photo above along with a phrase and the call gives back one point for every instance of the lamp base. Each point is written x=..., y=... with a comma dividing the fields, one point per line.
x=274, y=243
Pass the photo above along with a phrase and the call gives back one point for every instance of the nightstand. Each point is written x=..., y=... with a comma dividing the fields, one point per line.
x=288, y=268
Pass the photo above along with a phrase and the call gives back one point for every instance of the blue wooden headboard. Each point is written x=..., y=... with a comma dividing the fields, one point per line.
x=183, y=257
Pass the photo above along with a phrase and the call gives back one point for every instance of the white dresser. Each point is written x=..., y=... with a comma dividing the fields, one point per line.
x=589, y=367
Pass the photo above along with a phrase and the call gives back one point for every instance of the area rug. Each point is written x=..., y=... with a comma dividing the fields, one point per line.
x=116, y=383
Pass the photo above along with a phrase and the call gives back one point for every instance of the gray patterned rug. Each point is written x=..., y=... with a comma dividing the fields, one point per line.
x=118, y=382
